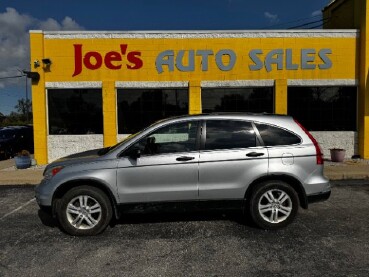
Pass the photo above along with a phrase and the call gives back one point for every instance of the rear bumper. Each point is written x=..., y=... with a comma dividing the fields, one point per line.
x=318, y=197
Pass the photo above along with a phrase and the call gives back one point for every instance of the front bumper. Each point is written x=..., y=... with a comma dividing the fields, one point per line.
x=43, y=193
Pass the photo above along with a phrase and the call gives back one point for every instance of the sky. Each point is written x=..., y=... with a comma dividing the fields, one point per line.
x=17, y=17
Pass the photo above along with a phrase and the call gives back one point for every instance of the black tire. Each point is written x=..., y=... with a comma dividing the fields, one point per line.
x=267, y=211
x=90, y=218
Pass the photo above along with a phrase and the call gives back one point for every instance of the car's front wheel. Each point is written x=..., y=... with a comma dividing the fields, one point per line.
x=273, y=205
x=84, y=211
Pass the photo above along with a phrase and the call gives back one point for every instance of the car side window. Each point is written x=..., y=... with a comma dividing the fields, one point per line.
x=228, y=134
x=178, y=137
x=273, y=136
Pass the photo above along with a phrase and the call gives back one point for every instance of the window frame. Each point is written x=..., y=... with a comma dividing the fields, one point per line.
x=59, y=89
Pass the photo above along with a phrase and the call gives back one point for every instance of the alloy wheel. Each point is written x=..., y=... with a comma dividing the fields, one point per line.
x=83, y=212
x=275, y=206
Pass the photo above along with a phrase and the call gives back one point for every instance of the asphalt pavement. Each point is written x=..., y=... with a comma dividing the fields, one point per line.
x=329, y=239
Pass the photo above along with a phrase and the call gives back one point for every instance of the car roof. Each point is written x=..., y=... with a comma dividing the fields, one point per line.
x=262, y=117
x=15, y=128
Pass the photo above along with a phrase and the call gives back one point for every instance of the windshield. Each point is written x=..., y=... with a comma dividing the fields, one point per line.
x=126, y=139
x=112, y=148
x=105, y=150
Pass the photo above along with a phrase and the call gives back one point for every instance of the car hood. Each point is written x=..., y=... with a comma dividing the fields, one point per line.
x=82, y=157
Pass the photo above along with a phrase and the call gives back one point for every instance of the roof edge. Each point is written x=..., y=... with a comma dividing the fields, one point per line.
x=197, y=31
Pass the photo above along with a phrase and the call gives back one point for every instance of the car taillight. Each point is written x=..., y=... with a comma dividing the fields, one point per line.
x=319, y=154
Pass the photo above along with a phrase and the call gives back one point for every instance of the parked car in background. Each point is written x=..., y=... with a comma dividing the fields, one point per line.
x=266, y=165
x=14, y=139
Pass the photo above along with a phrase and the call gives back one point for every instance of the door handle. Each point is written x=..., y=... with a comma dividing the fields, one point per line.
x=184, y=158
x=254, y=154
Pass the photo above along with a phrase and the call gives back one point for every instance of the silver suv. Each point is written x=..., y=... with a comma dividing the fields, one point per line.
x=267, y=165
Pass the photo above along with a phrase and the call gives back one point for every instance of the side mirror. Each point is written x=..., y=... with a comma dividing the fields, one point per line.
x=135, y=154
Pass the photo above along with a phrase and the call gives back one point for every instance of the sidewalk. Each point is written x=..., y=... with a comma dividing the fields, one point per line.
x=9, y=175
x=348, y=170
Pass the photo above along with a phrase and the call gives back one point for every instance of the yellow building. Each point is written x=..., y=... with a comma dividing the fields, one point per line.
x=90, y=89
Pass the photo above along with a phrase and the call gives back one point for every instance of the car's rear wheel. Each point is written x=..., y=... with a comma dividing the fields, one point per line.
x=84, y=211
x=273, y=205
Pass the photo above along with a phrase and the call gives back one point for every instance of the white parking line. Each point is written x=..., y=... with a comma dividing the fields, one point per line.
x=17, y=209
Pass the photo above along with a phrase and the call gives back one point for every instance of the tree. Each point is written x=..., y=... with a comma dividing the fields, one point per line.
x=24, y=108
x=2, y=117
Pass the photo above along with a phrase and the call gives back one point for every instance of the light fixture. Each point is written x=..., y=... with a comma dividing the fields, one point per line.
x=36, y=63
x=34, y=76
x=46, y=62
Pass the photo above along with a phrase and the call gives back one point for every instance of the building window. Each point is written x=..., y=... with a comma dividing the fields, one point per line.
x=138, y=108
x=75, y=111
x=324, y=108
x=256, y=100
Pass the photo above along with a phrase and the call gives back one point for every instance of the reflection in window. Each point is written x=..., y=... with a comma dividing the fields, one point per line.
x=229, y=134
x=179, y=137
x=324, y=108
x=75, y=111
x=138, y=108
x=254, y=100
x=273, y=136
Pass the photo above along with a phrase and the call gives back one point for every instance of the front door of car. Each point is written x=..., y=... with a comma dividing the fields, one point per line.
x=162, y=166
x=231, y=157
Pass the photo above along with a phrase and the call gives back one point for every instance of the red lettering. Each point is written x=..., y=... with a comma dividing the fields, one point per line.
x=112, y=57
x=77, y=59
x=113, y=60
x=87, y=60
x=123, y=48
x=134, y=57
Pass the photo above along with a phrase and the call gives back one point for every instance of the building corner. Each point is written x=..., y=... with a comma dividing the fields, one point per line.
x=39, y=104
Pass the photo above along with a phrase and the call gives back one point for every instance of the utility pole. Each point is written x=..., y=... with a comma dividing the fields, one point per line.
x=26, y=100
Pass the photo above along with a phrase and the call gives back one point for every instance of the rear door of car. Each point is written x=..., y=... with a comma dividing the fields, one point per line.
x=231, y=157
x=287, y=154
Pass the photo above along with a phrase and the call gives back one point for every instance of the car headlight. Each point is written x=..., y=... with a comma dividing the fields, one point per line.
x=51, y=172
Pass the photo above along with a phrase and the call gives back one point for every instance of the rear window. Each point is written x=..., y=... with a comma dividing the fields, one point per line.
x=273, y=136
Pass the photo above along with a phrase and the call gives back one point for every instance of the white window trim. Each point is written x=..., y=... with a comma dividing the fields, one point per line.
x=151, y=84
x=237, y=83
x=322, y=82
x=72, y=85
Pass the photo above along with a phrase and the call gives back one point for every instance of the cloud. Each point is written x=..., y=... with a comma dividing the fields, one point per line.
x=14, y=40
x=67, y=24
x=273, y=18
x=316, y=13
